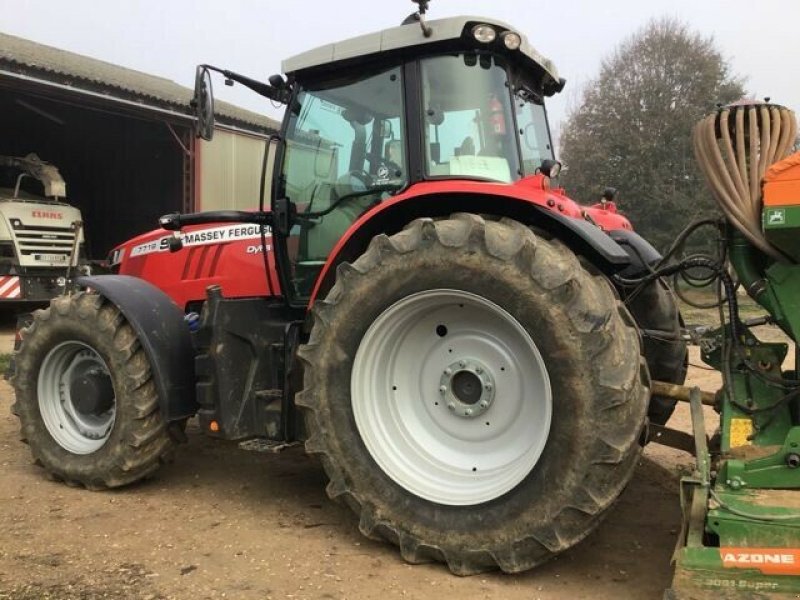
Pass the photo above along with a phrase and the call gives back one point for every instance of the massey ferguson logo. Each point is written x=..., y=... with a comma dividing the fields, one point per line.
x=47, y=214
x=203, y=237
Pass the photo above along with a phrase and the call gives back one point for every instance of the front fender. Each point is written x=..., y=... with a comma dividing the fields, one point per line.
x=579, y=235
x=163, y=334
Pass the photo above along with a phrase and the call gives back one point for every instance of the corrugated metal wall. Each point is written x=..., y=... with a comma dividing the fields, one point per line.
x=229, y=171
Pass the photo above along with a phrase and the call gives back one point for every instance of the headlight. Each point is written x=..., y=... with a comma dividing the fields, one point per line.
x=512, y=40
x=484, y=34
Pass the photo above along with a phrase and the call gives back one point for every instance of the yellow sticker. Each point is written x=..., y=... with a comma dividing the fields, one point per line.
x=741, y=430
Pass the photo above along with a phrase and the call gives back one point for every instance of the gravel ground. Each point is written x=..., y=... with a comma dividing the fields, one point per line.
x=222, y=522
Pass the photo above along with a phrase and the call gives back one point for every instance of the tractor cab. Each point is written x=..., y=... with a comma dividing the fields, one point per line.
x=458, y=98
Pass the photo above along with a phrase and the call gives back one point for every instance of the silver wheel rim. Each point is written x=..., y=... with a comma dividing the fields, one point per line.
x=415, y=403
x=77, y=431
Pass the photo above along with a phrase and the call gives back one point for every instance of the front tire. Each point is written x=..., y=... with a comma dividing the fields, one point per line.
x=560, y=353
x=85, y=396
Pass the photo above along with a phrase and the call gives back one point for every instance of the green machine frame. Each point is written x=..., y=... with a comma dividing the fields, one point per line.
x=741, y=533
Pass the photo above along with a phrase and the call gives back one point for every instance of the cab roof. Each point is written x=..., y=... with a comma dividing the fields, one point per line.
x=7, y=195
x=410, y=36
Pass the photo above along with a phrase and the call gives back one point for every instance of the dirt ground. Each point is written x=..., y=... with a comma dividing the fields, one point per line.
x=224, y=523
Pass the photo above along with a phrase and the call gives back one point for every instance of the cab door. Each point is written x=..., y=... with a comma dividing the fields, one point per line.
x=343, y=153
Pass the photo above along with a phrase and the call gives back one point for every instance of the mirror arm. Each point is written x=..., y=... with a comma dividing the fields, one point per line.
x=259, y=87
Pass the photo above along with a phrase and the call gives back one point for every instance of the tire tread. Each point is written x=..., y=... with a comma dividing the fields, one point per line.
x=558, y=275
x=144, y=440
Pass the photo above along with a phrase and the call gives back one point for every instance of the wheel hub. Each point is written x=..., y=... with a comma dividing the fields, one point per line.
x=451, y=397
x=92, y=393
x=76, y=397
x=468, y=388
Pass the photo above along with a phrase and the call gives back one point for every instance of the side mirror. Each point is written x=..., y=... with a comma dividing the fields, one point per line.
x=277, y=81
x=609, y=194
x=203, y=104
x=550, y=168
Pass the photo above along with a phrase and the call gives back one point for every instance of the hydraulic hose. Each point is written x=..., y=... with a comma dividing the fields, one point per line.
x=734, y=147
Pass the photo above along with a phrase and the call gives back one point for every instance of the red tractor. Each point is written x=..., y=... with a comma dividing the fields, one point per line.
x=438, y=320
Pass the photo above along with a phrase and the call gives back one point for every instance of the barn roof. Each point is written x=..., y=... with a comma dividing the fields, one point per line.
x=47, y=64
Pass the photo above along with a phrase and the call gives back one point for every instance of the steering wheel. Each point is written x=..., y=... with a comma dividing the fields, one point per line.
x=388, y=170
x=356, y=180
x=362, y=177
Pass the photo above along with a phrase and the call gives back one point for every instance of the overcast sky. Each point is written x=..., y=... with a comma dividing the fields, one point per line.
x=760, y=38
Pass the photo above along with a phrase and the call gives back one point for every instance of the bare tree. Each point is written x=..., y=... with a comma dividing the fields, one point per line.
x=632, y=129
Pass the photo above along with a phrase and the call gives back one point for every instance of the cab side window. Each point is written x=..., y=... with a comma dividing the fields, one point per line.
x=344, y=153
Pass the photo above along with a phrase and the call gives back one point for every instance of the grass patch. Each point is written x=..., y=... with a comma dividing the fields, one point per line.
x=4, y=360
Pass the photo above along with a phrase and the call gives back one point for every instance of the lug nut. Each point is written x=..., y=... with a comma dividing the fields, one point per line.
x=451, y=406
x=478, y=370
x=488, y=387
x=462, y=363
x=443, y=389
x=484, y=404
x=448, y=371
x=468, y=412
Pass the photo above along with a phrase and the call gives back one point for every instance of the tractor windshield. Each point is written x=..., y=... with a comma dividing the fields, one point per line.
x=469, y=128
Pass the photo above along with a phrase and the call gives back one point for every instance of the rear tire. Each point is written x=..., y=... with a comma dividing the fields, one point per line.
x=656, y=310
x=590, y=354
x=109, y=437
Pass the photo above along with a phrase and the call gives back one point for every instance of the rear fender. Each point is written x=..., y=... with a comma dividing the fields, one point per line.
x=642, y=254
x=163, y=334
x=579, y=235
